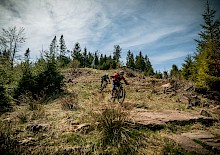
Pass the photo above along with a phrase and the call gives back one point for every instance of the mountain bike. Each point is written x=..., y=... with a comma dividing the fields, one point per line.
x=119, y=94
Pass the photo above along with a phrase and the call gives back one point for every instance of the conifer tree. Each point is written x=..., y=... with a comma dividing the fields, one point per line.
x=54, y=47
x=63, y=59
x=62, y=46
x=90, y=59
x=207, y=58
x=76, y=54
x=4, y=100
x=117, y=55
x=139, y=62
x=148, y=69
x=85, y=58
x=96, y=60
x=187, y=68
x=130, y=60
x=27, y=83
x=174, y=72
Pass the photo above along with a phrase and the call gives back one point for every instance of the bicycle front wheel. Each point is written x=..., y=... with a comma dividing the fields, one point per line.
x=121, y=96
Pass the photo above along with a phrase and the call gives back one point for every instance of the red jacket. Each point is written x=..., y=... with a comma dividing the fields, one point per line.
x=116, y=77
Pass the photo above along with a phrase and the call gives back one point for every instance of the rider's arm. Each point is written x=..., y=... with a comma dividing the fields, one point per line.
x=125, y=81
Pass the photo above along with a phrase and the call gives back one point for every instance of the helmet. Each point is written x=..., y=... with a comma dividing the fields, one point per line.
x=121, y=73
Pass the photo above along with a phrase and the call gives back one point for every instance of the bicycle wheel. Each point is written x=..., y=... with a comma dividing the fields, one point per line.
x=121, y=95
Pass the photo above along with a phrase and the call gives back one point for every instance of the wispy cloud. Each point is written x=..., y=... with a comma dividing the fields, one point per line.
x=164, y=30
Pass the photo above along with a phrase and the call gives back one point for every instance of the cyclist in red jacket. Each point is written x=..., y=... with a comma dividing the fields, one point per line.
x=116, y=78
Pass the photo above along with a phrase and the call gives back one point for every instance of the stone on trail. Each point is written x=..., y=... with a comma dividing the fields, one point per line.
x=160, y=119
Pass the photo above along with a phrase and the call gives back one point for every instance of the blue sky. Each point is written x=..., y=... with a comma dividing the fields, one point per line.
x=163, y=29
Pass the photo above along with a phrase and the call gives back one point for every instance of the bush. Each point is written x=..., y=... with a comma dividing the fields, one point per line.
x=118, y=136
x=213, y=83
x=4, y=100
x=49, y=81
x=8, y=142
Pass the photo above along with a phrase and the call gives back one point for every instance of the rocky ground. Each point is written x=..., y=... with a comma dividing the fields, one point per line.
x=169, y=110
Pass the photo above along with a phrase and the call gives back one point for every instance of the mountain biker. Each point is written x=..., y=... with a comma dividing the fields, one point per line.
x=105, y=78
x=116, y=78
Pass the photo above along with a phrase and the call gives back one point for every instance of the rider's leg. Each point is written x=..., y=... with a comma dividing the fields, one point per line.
x=113, y=89
x=101, y=82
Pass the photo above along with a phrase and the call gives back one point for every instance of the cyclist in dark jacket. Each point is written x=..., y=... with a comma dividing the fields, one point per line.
x=105, y=78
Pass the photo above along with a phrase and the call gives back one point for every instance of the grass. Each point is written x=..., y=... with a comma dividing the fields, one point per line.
x=105, y=118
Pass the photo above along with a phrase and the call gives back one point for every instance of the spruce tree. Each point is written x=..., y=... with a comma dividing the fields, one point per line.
x=130, y=60
x=62, y=46
x=174, y=72
x=139, y=62
x=96, y=60
x=148, y=69
x=63, y=59
x=207, y=56
x=27, y=83
x=85, y=58
x=54, y=47
x=117, y=55
x=187, y=68
x=76, y=54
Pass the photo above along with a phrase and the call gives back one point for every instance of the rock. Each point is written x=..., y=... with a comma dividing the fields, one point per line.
x=189, y=107
x=37, y=127
x=80, y=127
x=184, y=99
x=198, y=142
x=195, y=103
x=205, y=113
x=147, y=118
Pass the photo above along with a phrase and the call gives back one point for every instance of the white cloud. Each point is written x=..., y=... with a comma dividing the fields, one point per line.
x=164, y=57
x=99, y=25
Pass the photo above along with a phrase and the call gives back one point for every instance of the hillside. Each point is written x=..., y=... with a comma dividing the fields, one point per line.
x=173, y=120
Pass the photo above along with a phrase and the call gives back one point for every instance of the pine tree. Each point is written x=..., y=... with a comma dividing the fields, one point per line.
x=62, y=46
x=187, y=68
x=63, y=59
x=85, y=58
x=117, y=55
x=101, y=60
x=90, y=59
x=4, y=100
x=54, y=47
x=130, y=60
x=148, y=69
x=96, y=60
x=50, y=80
x=27, y=83
x=174, y=72
x=139, y=62
x=207, y=58
x=76, y=54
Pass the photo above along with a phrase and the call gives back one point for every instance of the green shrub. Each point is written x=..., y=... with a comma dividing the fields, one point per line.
x=213, y=83
x=118, y=136
x=4, y=99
